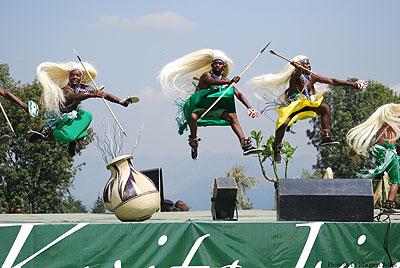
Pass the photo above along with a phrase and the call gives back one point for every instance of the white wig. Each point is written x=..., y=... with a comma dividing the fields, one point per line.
x=360, y=137
x=54, y=76
x=276, y=83
x=177, y=75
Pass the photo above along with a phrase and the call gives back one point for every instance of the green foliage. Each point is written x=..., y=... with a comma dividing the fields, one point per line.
x=268, y=153
x=244, y=183
x=350, y=107
x=317, y=174
x=98, y=206
x=72, y=205
x=33, y=176
x=287, y=153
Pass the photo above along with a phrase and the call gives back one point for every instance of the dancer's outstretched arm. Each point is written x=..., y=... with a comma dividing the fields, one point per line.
x=333, y=81
x=110, y=97
x=71, y=95
x=11, y=97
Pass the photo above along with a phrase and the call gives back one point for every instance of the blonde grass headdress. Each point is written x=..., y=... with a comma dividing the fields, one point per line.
x=275, y=83
x=177, y=75
x=54, y=76
x=361, y=136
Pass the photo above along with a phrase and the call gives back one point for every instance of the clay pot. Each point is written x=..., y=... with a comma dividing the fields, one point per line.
x=107, y=193
x=130, y=194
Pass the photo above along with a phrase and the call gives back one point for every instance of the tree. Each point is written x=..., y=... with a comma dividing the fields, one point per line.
x=350, y=107
x=244, y=183
x=316, y=174
x=72, y=205
x=33, y=176
x=98, y=205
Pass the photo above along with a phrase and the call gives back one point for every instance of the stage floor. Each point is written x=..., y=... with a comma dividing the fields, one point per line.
x=159, y=217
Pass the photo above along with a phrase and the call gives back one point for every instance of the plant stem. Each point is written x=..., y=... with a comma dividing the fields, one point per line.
x=275, y=169
x=263, y=170
x=286, y=167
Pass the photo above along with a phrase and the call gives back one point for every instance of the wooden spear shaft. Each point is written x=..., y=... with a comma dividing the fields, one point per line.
x=297, y=65
x=8, y=121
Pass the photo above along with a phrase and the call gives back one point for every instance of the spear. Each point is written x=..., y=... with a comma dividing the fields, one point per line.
x=234, y=83
x=297, y=65
x=8, y=121
x=95, y=85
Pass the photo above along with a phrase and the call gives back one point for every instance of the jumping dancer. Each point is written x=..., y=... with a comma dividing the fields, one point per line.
x=300, y=100
x=212, y=67
x=65, y=86
x=378, y=136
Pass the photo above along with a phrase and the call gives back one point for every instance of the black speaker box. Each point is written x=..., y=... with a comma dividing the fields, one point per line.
x=342, y=200
x=155, y=175
x=223, y=200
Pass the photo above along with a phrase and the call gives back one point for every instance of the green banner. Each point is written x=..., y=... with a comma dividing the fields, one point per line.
x=201, y=245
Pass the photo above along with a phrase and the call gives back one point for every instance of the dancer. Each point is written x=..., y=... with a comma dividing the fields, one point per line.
x=300, y=100
x=378, y=135
x=213, y=67
x=65, y=86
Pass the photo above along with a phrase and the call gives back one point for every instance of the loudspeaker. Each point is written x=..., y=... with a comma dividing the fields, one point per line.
x=155, y=175
x=347, y=200
x=223, y=200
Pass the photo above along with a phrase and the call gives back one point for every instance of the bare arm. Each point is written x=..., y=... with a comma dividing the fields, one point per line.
x=333, y=81
x=73, y=99
x=242, y=98
x=206, y=80
x=72, y=96
x=250, y=111
x=11, y=97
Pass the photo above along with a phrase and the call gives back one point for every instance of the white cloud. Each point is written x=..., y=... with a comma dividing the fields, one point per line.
x=162, y=22
x=149, y=95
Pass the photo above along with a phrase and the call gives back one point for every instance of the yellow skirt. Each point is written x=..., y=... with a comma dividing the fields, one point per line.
x=284, y=112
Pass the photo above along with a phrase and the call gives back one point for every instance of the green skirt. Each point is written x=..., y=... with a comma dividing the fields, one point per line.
x=71, y=129
x=386, y=159
x=201, y=100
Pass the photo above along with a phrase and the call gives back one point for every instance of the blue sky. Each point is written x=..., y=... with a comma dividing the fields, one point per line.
x=130, y=41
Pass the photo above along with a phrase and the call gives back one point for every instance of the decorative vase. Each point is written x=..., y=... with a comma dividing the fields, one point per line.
x=130, y=194
x=107, y=193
